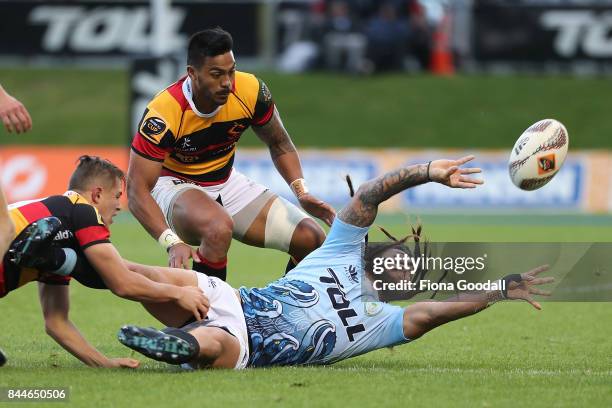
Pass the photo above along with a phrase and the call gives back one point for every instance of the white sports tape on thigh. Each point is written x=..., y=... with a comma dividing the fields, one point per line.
x=283, y=217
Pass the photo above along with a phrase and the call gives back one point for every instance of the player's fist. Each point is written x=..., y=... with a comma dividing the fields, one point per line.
x=450, y=173
x=193, y=300
x=317, y=208
x=179, y=255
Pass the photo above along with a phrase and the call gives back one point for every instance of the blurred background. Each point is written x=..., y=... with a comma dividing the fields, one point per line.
x=362, y=86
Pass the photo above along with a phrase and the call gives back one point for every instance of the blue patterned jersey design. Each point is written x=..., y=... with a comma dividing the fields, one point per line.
x=284, y=336
x=317, y=313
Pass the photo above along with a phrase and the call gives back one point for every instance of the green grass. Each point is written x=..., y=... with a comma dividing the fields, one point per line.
x=510, y=355
x=72, y=106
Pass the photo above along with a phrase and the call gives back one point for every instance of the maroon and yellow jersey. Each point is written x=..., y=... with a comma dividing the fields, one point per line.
x=195, y=146
x=81, y=228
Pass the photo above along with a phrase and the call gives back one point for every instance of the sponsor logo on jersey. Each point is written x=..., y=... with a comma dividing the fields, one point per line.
x=265, y=93
x=63, y=234
x=372, y=308
x=236, y=131
x=352, y=274
x=176, y=182
x=546, y=164
x=153, y=126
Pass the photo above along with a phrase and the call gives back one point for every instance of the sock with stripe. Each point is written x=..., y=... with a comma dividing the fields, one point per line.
x=216, y=269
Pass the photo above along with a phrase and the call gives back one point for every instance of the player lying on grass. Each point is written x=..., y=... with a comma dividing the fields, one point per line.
x=317, y=313
x=77, y=222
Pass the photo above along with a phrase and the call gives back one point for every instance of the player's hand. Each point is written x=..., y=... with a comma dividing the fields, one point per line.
x=318, y=208
x=14, y=115
x=450, y=173
x=122, y=363
x=179, y=255
x=524, y=288
x=195, y=301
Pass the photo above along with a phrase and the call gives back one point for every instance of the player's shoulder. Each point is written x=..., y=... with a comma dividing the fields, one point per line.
x=256, y=94
x=83, y=212
x=247, y=85
x=170, y=102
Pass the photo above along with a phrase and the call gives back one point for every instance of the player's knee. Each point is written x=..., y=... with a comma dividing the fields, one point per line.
x=210, y=347
x=217, y=230
x=307, y=236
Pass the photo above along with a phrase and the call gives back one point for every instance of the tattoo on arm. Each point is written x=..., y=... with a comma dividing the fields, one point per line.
x=362, y=209
x=275, y=136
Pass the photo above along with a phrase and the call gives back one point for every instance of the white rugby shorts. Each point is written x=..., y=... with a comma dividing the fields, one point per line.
x=226, y=313
x=235, y=194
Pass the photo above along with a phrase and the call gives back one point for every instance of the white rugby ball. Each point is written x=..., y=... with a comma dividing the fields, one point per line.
x=538, y=154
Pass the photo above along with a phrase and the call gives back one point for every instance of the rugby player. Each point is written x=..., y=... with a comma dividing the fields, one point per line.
x=16, y=117
x=317, y=313
x=182, y=186
x=77, y=223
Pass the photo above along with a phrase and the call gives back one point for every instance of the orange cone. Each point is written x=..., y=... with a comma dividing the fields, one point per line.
x=441, y=54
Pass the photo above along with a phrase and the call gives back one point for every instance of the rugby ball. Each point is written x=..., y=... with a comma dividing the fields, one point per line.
x=538, y=154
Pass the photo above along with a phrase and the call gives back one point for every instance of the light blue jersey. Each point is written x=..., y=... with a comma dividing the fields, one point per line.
x=317, y=313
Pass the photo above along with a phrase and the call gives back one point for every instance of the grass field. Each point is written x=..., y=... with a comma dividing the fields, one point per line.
x=508, y=356
x=72, y=106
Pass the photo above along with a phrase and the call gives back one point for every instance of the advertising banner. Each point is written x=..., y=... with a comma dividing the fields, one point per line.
x=584, y=183
x=116, y=28
x=542, y=31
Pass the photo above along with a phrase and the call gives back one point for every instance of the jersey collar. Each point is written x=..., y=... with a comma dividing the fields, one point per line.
x=187, y=91
x=75, y=196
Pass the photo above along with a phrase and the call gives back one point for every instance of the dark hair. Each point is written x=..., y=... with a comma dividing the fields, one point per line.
x=208, y=43
x=91, y=168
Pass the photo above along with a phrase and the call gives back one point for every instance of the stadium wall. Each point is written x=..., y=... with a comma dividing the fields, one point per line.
x=584, y=184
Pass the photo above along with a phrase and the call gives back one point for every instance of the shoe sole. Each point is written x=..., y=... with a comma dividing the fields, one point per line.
x=36, y=233
x=161, y=347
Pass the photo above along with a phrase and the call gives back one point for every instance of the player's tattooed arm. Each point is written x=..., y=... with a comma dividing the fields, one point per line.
x=362, y=210
x=275, y=136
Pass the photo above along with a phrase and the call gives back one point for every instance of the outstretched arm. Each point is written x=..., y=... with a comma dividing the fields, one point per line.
x=55, y=304
x=421, y=317
x=362, y=209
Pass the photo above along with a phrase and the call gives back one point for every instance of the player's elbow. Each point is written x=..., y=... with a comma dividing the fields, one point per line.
x=364, y=194
x=54, y=326
x=419, y=318
x=122, y=291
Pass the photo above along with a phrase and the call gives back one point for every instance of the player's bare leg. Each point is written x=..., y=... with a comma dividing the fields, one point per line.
x=279, y=225
x=199, y=220
x=168, y=313
x=200, y=346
